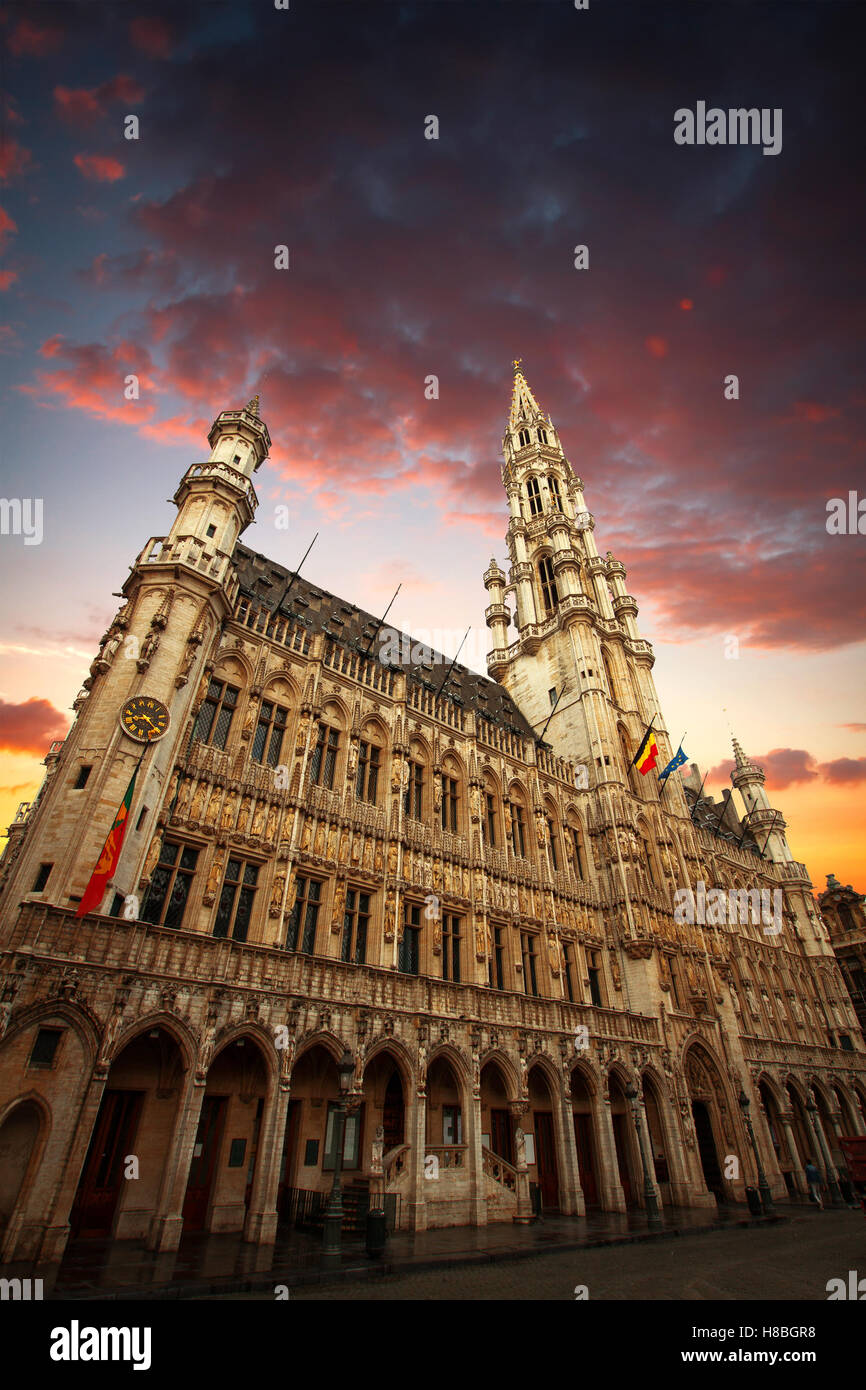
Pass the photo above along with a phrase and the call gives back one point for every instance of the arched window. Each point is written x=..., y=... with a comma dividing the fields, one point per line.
x=608, y=671
x=534, y=493
x=216, y=714
x=323, y=761
x=549, y=592
x=413, y=795
x=489, y=814
x=523, y=439
x=632, y=776
x=553, y=839
x=450, y=797
x=517, y=818
x=270, y=731
x=369, y=764
x=555, y=494
x=542, y=435
x=648, y=853
x=846, y=917
x=578, y=848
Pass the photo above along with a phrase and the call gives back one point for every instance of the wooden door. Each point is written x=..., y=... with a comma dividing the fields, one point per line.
x=545, y=1159
x=620, y=1135
x=392, y=1114
x=204, y=1160
x=500, y=1134
x=113, y=1139
x=585, y=1157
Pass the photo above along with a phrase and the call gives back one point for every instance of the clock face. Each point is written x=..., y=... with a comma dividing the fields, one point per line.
x=144, y=718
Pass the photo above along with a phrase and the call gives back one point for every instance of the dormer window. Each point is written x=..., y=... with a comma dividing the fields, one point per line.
x=534, y=496
x=523, y=438
x=542, y=436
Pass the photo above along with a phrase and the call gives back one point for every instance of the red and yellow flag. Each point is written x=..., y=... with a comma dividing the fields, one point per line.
x=107, y=861
x=647, y=755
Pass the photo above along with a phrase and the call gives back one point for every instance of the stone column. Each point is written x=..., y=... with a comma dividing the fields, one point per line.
x=776, y=1177
x=613, y=1197
x=786, y=1121
x=167, y=1222
x=678, y=1173
x=824, y=1150
x=571, y=1198
x=416, y=1138
x=260, y=1225
x=518, y=1109
x=475, y=1164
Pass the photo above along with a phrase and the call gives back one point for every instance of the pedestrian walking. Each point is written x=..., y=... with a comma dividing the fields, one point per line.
x=813, y=1178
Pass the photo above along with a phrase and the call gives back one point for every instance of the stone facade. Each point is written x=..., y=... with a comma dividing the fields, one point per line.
x=461, y=882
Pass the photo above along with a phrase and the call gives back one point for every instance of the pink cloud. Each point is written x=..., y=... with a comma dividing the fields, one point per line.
x=7, y=226
x=784, y=767
x=32, y=40
x=30, y=726
x=92, y=380
x=152, y=35
x=84, y=105
x=844, y=771
x=15, y=160
x=7, y=278
x=100, y=167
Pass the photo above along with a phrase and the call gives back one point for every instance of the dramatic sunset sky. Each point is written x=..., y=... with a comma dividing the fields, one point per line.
x=411, y=257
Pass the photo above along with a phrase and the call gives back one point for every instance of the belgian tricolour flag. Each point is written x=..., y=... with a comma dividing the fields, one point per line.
x=107, y=861
x=647, y=755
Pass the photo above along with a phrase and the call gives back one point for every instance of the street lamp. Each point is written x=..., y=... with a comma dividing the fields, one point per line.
x=763, y=1185
x=835, y=1194
x=332, y=1228
x=651, y=1201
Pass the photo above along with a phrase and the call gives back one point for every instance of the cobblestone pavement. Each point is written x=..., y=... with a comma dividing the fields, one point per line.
x=793, y=1260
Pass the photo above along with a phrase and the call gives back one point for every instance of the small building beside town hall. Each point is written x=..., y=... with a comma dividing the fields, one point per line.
x=266, y=843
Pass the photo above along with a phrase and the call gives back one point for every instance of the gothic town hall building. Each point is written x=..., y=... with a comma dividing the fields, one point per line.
x=462, y=882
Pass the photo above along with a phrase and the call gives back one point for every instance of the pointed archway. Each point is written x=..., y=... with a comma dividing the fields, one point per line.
x=711, y=1116
x=21, y=1139
x=546, y=1164
x=586, y=1138
x=306, y=1168
x=625, y=1143
x=226, y=1149
x=119, y=1189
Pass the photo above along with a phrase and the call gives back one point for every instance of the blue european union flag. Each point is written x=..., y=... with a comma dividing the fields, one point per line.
x=676, y=761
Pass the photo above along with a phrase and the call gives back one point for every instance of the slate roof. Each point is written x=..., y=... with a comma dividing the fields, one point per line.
x=272, y=587
x=719, y=818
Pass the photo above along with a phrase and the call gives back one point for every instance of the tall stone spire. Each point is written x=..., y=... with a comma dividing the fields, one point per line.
x=745, y=765
x=524, y=406
x=749, y=781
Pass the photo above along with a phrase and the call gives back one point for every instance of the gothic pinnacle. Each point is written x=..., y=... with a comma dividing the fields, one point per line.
x=524, y=406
